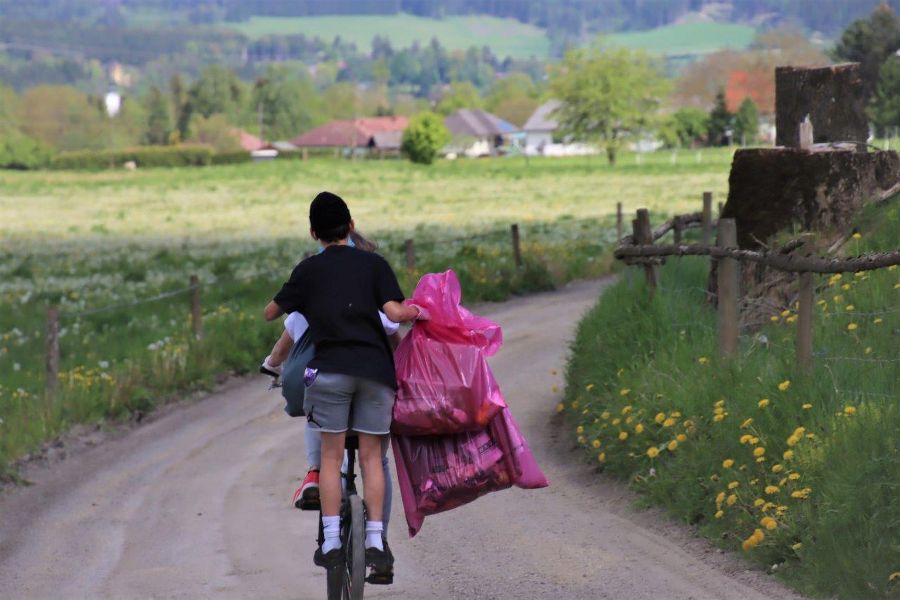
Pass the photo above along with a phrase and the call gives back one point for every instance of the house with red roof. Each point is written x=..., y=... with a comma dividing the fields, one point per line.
x=756, y=84
x=373, y=133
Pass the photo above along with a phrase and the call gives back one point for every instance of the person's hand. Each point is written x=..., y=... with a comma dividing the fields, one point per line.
x=422, y=314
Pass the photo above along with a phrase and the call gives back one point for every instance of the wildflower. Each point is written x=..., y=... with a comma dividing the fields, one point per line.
x=838, y=299
x=581, y=439
x=730, y=500
x=796, y=546
x=773, y=318
x=727, y=463
x=652, y=451
x=589, y=387
x=806, y=406
x=668, y=422
x=560, y=407
x=579, y=429
x=759, y=451
x=601, y=457
x=554, y=389
x=623, y=435
x=720, y=418
x=784, y=385
x=672, y=445
x=574, y=404
x=616, y=421
x=768, y=506
x=801, y=494
x=720, y=514
x=719, y=404
x=791, y=319
x=786, y=312
x=849, y=410
x=777, y=468
x=794, y=476
x=660, y=417
x=745, y=439
x=595, y=443
x=758, y=502
x=624, y=391
x=852, y=326
x=761, y=459
x=799, y=431
x=626, y=409
x=868, y=350
x=639, y=428
x=629, y=420
x=733, y=485
x=772, y=489
x=720, y=498
x=895, y=574
x=878, y=321
x=856, y=236
x=849, y=308
x=763, y=403
x=845, y=287
x=769, y=523
x=747, y=423
x=681, y=437
x=788, y=454
x=703, y=360
x=793, y=440
x=604, y=415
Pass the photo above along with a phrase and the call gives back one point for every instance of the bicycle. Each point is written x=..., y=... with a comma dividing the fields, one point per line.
x=347, y=580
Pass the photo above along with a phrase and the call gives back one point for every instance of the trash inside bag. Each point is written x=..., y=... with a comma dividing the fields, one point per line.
x=444, y=383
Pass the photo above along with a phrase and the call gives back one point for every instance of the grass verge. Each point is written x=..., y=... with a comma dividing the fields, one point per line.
x=798, y=473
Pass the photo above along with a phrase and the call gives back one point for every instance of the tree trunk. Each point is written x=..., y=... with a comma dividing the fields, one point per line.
x=611, y=155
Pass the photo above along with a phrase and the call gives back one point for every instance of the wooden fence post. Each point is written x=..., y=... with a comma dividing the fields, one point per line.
x=644, y=237
x=410, y=255
x=805, y=317
x=676, y=230
x=52, y=384
x=619, y=231
x=728, y=274
x=707, y=218
x=517, y=248
x=196, y=311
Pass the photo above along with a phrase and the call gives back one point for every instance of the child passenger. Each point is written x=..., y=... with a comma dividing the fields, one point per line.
x=352, y=382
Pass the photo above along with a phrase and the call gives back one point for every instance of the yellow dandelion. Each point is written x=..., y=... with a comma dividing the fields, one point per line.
x=616, y=421
x=794, y=476
x=856, y=236
x=868, y=350
x=668, y=422
x=758, y=502
x=784, y=385
x=639, y=428
x=604, y=415
x=849, y=410
x=575, y=404
x=589, y=387
x=793, y=440
x=763, y=403
x=757, y=452
x=601, y=457
x=720, y=418
x=786, y=313
x=878, y=321
x=845, y=287
x=660, y=417
x=595, y=443
x=774, y=318
x=747, y=423
x=719, y=514
x=672, y=445
x=852, y=326
x=624, y=391
x=791, y=319
x=719, y=404
x=730, y=500
x=788, y=454
x=772, y=489
x=581, y=439
x=796, y=546
x=850, y=308
x=652, y=451
x=579, y=429
x=745, y=439
x=769, y=523
x=681, y=437
x=727, y=463
x=623, y=435
x=702, y=360
x=560, y=407
x=626, y=409
x=720, y=498
x=894, y=576
x=629, y=420
x=733, y=485
x=777, y=468
x=806, y=406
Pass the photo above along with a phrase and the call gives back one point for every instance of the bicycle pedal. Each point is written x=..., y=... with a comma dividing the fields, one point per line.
x=308, y=504
x=374, y=578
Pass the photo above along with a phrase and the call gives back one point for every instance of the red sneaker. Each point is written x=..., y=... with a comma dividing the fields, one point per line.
x=307, y=495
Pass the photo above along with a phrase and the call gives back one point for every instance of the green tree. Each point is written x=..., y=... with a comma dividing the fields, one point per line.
x=746, y=122
x=64, y=118
x=180, y=107
x=720, y=124
x=609, y=95
x=341, y=101
x=159, y=123
x=513, y=98
x=870, y=41
x=217, y=132
x=462, y=94
x=217, y=90
x=289, y=101
x=885, y=108
x=423, y=138
x=685, y=128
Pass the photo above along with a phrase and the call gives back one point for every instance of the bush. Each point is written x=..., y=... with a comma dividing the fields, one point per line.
x=143, y=156
x=18, y=151
x=424, y=137
x=231, y=158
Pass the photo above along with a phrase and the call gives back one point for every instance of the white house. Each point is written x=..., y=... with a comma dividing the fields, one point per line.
x=541, y=137
x=477, y=133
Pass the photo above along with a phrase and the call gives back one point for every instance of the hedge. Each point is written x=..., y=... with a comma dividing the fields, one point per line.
x=231, y=158
x=143, y=157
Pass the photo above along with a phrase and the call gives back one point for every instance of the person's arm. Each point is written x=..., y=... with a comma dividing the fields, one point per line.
x=272, y=311
x=400, y=313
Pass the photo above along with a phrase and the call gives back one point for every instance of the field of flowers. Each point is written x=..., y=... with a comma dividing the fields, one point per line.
x=99, y=245
x=800, y=473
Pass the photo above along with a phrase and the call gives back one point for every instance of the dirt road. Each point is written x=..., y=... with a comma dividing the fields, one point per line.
x=196, y=504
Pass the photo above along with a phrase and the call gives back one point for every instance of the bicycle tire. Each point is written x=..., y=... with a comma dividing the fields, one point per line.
x=356, y=549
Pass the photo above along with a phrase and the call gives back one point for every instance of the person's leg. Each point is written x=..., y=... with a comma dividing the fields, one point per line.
x=330, y=489
x=373, y=487
x=313, y=439
x=388, y=486
x=306, y=496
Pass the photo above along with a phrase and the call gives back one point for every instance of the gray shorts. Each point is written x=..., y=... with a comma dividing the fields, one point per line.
x=335, y=403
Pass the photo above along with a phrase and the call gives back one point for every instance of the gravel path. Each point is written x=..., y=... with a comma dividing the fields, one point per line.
x=196, y=504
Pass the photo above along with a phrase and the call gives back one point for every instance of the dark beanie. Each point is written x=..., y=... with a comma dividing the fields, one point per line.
x=328, y=211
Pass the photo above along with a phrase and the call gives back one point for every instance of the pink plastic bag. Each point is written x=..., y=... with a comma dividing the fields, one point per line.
x=445, y=385
x=439, y=473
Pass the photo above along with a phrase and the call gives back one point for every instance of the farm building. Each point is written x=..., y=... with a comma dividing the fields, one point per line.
x=381, y=134
x=541, y=135
x=477, y=132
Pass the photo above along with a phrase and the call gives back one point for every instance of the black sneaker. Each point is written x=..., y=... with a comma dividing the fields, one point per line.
x=382, y=565
x=332, y=558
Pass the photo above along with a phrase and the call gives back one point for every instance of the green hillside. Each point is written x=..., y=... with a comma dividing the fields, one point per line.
x=506, y=37
x=687, y=38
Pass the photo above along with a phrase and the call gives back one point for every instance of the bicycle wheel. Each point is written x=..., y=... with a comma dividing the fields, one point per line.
x=356, y=550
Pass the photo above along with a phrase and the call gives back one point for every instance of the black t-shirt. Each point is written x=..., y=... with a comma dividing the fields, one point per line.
x=340, y=292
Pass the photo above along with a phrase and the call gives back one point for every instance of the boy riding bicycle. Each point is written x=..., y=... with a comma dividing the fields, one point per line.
x=351, y=383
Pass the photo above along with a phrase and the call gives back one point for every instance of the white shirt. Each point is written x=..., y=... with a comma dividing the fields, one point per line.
x=296, y=324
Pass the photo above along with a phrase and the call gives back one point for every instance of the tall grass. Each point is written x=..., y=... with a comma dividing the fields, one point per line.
x=800, y=473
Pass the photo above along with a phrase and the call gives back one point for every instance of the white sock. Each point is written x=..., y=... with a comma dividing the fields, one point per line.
x=332, y=529
x=374, y=530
